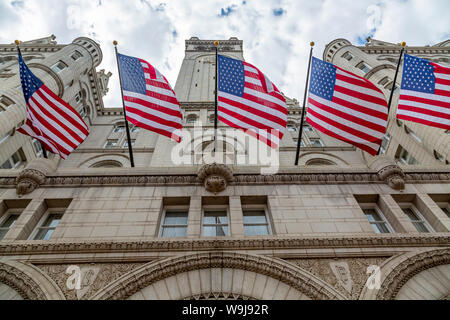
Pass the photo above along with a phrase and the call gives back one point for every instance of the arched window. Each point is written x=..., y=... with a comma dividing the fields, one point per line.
x=191, y=119
x=320, y=162
x=291, y=126
x=107, y=164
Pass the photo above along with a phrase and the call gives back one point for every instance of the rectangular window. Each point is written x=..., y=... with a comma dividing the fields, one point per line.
x=5, y=102
x=135, y=129
x=417, y=219
x=385, y=143
x=7, y=223
x=405, y=157
x=316, y=142
x=364, y=66
x=78, y=97
x=255, y=222
x=384, y=81
x=377, y=220
x=110, y=143
x=37, y=147
x=125, y=144
x=174, y=223
x=347, y=56
x=76, y=55
x=45, y=231
x=59, y=66
x=215, y=223
x=119, y=128
x=14, y=161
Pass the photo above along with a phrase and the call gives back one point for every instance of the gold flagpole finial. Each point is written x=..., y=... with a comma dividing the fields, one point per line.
x=17, y=42
x=312, y=43
x=216, y=42
x=115, y=42
x=403, y=43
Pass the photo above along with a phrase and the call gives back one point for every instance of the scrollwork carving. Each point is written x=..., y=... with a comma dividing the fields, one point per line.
x=215, y=177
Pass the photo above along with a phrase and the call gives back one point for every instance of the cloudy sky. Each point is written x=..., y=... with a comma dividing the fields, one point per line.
x=276, y=33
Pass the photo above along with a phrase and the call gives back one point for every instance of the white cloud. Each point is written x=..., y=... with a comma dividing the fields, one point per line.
x=277, y=44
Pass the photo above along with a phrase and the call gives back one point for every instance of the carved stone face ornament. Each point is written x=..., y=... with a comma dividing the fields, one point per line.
x=215, y=177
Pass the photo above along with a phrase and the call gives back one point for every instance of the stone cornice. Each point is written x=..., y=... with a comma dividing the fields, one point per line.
x=186, y=176
x=273, y=243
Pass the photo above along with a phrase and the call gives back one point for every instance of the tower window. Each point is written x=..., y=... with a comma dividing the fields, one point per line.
x=76, y=55
x=59, y=66
x=347, y=56
x=364, y=66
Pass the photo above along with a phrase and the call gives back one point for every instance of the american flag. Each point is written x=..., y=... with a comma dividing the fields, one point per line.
x=50, y=120
x=425, y=93
x=248, y=100
x=150, y=102
x=346, y=107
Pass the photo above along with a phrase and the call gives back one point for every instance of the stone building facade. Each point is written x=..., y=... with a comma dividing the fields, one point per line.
x=341, y=225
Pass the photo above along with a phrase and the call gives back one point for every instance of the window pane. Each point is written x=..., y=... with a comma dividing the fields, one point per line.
x=215, y=231
x=6, y=165
x=372, y=215
x=250, y=230
x=52, y=220
x=44, y=234
x=447, y=212
x=255, y=217
x=214, y=217
x=420, y=226
x=177, y=218
x=411, y=215
x=174, y=231
x=3, y=233
x=9, y=222
x=380, y=227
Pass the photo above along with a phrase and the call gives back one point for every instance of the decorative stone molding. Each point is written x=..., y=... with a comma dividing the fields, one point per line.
x=377, y=241
x=219, y=296
x=34, y=175
x=90, y=282
x=324, y=177
x=215, y=177
x=408, y=268
x=389, y=172
x=148, y=274
x=356, y=273
x=21, y=282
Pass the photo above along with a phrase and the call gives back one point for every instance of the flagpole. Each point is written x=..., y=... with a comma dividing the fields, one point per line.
x=130, y=148
x=300, y=133
x=395, y=76
x=403, y=44
x=216, y=44
x=44, y=152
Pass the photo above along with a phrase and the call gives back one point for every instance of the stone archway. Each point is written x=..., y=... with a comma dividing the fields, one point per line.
x=422, y=274
x=219, y=275
x=28, y=282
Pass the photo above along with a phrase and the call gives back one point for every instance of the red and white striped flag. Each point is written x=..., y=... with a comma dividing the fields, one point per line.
x=50, y=120
x=346, y=106
x=425, y=93
x=150, y=102
x=248, y=100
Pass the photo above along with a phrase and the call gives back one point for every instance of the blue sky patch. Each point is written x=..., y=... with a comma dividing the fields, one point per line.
x=278, y=11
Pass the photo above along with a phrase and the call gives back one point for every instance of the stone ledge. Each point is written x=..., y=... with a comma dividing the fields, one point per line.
x=139, y=245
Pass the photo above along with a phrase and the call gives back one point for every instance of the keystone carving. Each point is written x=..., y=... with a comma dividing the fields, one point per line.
x=389, y=172
x=215, y=177
x=34, y=175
